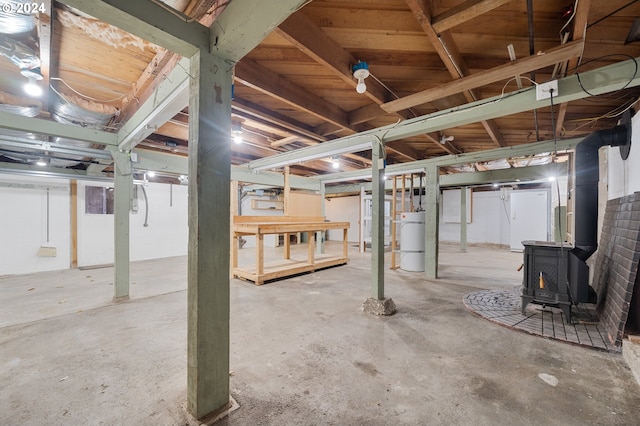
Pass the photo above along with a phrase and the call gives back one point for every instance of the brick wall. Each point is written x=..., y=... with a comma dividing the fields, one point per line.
x=616, y=266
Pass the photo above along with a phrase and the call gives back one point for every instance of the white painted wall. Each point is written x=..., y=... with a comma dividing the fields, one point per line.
x=489, y=220
x=624, y=176
x=166, y=235
x=343, y=209
x=23, y=225
x=246, y=210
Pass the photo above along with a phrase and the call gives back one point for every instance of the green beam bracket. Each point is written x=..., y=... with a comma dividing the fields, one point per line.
x=169, y=98
x=244, y=24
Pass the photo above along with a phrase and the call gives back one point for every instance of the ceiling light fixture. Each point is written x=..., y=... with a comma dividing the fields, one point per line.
x=236, y=132
x=336, y=161
x=41, y=162
x=444, y=139
x=32, y=89
x=360, y=72
x=151, y=173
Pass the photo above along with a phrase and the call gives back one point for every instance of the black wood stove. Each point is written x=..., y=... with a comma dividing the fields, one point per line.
x=556, y=274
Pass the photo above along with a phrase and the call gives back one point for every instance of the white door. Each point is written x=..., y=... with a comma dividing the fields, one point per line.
x=529, y=217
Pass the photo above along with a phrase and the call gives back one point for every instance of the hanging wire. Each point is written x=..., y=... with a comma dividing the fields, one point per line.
x=82, y=94
x=635, y=72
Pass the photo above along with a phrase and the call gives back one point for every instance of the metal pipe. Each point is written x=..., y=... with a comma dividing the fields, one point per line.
x=532, y=50
x=146, y=206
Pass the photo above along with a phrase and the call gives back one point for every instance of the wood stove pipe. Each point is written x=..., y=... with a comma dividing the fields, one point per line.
x=585, y=199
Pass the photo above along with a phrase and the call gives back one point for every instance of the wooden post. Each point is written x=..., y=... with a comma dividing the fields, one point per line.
x=310, y=248
x=345, y=242
x=287, y=246
x=259, y=254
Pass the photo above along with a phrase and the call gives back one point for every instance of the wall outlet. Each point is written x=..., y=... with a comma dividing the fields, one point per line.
x=543, y=90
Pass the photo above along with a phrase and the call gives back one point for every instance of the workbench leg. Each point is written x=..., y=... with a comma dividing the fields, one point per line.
x=259, y=254
x=311, y=248
x=234, y=253
x=345, y=243
x=287, y=247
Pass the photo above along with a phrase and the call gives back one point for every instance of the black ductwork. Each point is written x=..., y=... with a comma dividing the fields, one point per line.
x=555, y=274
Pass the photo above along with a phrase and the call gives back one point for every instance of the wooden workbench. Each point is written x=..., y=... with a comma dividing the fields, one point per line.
x=262, y=272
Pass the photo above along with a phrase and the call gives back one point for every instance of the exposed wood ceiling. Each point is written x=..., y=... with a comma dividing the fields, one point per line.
x=296, y=88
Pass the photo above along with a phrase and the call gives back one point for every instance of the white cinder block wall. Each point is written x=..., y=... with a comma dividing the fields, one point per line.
x=489, y=220
x=23, y=224
x=343, y=209
x=166, y=235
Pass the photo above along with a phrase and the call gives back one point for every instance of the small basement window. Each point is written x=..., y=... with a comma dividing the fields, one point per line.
x=98, y=200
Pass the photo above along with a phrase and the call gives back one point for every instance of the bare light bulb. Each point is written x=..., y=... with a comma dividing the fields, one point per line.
x=552, y=178
x=32, y=89
x=360, y=72
x=336, y=164
x=237, y=139
x=151, y=173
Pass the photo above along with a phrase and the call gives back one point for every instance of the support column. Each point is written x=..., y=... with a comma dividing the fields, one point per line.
x=123, y=188
x=377, y=304
x=320, y=235
x=432, y=211
x=208, y=264
x=463, y=219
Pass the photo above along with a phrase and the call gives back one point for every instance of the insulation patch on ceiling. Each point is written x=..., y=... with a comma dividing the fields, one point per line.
x=103, y=32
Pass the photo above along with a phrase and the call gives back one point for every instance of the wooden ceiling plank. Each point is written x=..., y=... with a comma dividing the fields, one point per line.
x=464, y=12
x=450, y=55
x=521, y=66
x=161, y=65
x=310, y=39
x=278, y=119
x=254, y=75
x=314, y=42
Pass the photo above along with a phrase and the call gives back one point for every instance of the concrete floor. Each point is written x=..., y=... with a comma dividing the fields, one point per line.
x=302, y=352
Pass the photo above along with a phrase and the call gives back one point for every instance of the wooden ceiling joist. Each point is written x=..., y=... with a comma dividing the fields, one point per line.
x=464, y=12
x=504, y=72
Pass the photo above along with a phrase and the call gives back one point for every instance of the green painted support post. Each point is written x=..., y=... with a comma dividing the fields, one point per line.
x=123, y=188
x=463, y=219
x=320, y=235
x=377, y=221
x=209, y=243
x=432, y=203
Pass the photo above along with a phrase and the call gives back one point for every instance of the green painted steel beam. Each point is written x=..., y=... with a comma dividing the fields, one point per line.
x=451, y=160
x=169, y=98
x=602, y=80
x=149, y=21
x=525, y=174
x=177, y=164
x=53, y=128
x=245, y=23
